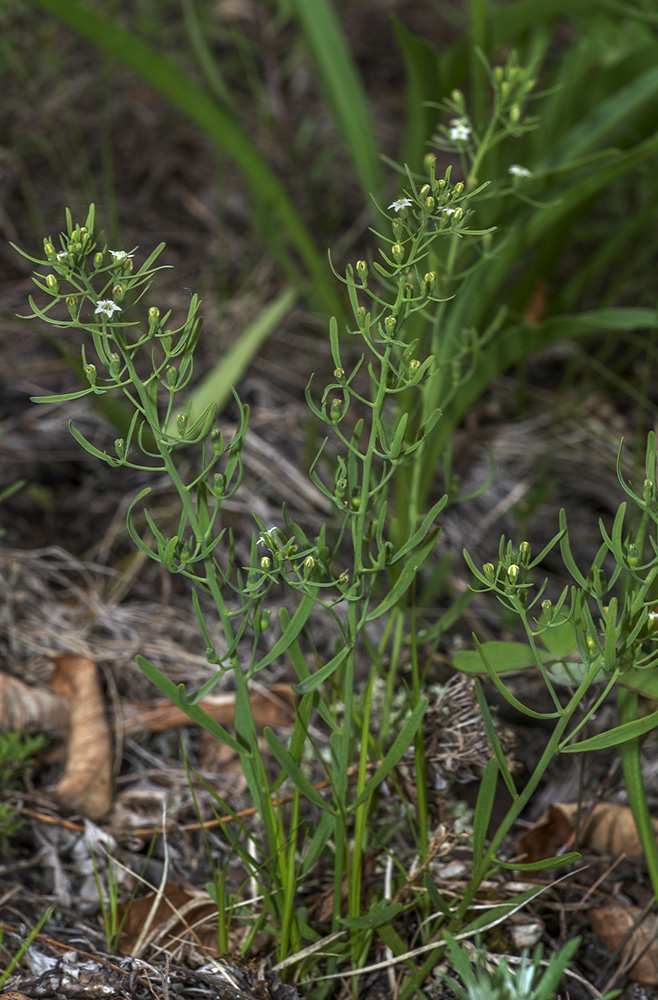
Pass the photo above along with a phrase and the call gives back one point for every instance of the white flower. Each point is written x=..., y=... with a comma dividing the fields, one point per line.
x=460, y=130
x=108, y=307
x=400, y=204
x=263, y=540
x=517, y=171
x=448, y=210
x=120, y=255
x=62, y=255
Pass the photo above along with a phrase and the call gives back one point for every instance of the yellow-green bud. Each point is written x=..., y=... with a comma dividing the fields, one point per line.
x=72, y=305
x=515, y=113
x=647, y=490
x=120, y=447
x=414, y=365
x=398, y=229
x=361, y=316
x=397, y=251
x=591, y=643
x=513, y=573
x=429, y=204
x=428, y=282
x=344, y=578
x=633, y=556
x=115, y=364
x=389, y=325
x=90, y=372
x=339, y=373
x=459, y=187
x=341, y=488
x=336, y=410
x=547, y=608
x=524, y=552
x=211, y=655
x=425, y=191
x=118, y=292
x=217, y=440
x=154, y=317
x=265, y=563
x=172, y=376
x=98, y=259
x=264, y=619
x=429, y=161
x=52, y=283
x=181, y=424
x=362, y=270
x=219, y=484
x=489, y=571
x=309, y=564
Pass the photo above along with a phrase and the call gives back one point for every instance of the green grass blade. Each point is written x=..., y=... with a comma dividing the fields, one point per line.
x=162, y=73
x=342, y=87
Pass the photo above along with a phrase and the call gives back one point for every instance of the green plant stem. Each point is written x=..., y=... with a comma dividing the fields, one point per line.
x=627, y=707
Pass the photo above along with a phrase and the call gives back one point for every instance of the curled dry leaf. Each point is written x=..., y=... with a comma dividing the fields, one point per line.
x=606, y=828
x=272, y=706
x=36, y=709
x=616, y=923
x=85, y=785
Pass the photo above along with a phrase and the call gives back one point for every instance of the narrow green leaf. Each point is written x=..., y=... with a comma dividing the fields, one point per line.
x=613, y=737
x=483, y=806
x=405, y=579
x=401, y=744
x=319, y=676
x=539, y=866
x=494, y=742
x=290, y=633
x=294, y=772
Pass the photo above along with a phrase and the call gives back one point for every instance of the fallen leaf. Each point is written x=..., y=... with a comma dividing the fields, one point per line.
x=85, y=786
x=271, y=706
x=38, y=710
x=613, y=924
x=605, y=827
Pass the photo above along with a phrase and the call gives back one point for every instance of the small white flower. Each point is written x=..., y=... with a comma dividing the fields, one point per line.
x=460, y=130
x=62, y=255
x=108, y=307
x=269, y=532
x=449, y=210
x=120, y=255
x=400, y=204
x=518, y=171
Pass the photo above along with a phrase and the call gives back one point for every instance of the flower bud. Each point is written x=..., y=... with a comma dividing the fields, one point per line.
x=524, y=553
x=361, y=316
x=172, y=376
x=489, y=571
x=265, y=563
x=339, y=373
x=115, y=364
x=515, y=113
x=591, y=644
x=362, y=270
x=389, y=325
x=49, y=249
x=459, y=187
x=181, y=424
x=429, y=160
x=309, y=565
x=424, y=191
x=98, y=260
x=513, y=573
x=219, y=484
x=118, y=292
x=428, y=282
x=341, y=488
x=211, y=655
x=429, y=204
x=120, y=448
x=336, y=410
x=398, y=230
x=397, y=251
x=547, y=608
x=217, y=440
x=414, y=365
x=264, y=619
x=52, y=283
x=647, y=490
x=154, y=316
x=72, y=305
x=633, y=556
x=90, y=372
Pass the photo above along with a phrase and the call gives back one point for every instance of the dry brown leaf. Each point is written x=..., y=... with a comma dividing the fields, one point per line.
x=613, y=923
x=182, y=921
x=86, y=783
x=38, y=710
x=272, y=706
x=606, y=828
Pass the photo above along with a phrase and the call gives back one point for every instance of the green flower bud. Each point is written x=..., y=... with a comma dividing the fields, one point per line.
x=265, y=563
x=515, y=113
x=547, y=608
x=489, y=571
x=633, y=556
x=118, y=292
x=429, y=161
x=362, y=270
x=98, y=260
x=219, y=484
x=264, y=619
x=172, y=376
x=339, y=373
x=591, y=644
x=398, y=230
x=429, y=204
x=211, y=655
x=356, y=503
x=424, y=191
x=120, y=448
x=524, y=553
x=459, y=187
x=647, y=490
x=52, y=283
x=336, y=412
x=90, y=372
x=361, y=316
x=397, y=252
x=115, y=365
x=414, y=365
x=154, y=317
x=72, y=305
x=49, y=249
x=389, y=325
x=309, y=565
x=428, y=282
x=513, y=573
x=181, y=424
x=341, y=488
x=217, y=440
